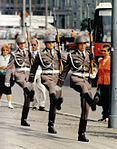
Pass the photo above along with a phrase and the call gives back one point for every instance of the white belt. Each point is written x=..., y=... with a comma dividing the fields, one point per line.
x=23, y=69
x=50, y=71
x=82, y=75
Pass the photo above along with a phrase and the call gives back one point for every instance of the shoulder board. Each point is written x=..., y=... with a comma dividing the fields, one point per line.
x=13, y=53
x=44, y=51
x=88, y=52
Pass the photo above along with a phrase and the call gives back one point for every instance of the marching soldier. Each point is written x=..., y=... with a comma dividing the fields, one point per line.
x=49, y=60
x=20, y=60
x=79, y=63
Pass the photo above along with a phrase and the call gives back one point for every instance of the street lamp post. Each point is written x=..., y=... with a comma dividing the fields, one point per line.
x=113, y=83
x=88, y=10
x=30, y=13
x=46, y=15
x=30, y=5
x=23, y=18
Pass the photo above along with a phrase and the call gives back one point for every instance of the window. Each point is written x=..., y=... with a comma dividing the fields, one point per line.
x=39, y=1
x=12, y=1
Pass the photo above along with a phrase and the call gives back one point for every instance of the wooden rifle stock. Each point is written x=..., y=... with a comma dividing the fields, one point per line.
x=91, y=44
x=58, y=42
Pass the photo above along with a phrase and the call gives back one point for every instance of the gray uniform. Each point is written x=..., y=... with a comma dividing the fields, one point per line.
x=79, y=81
x=19, y=63
x=50, y=63
x=50, y=69
x=80, y=67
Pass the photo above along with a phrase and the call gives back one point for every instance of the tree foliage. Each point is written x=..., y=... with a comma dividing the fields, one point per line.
x=84, y=24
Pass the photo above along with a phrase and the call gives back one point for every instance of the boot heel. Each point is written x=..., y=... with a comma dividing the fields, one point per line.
x=51, y=128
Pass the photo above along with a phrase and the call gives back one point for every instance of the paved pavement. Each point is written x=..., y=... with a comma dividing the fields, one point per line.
x=14, y=136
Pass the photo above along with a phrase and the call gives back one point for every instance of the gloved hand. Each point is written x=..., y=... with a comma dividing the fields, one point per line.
x=57, y=88
x=92, y=76
x=7, y=84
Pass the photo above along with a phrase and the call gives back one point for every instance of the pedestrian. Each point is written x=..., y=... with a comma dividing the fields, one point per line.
x=72, y=34
x=79, y=63
x=49, y=60
x=4, y=59
x=103, y=84
x=40, y=90
x=20, y=60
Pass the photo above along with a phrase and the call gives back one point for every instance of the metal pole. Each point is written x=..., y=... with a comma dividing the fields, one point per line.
x=88, y=10
x=113, y=92
x=46, y=16
x=30, y=11
x=23, y=18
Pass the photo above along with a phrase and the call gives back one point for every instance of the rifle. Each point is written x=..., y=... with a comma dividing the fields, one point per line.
x=91, y=44
x=58, y=42
x=28, y=40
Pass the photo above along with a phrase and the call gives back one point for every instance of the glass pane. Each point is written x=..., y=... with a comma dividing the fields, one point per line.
x=103, y=26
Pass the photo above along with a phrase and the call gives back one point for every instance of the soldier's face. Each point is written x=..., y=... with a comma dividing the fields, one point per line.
x=34, y=45
x=22, y=45
x=50, y=45
x=81, y=46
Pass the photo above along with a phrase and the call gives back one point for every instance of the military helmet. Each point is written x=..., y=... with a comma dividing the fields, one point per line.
x=80, y=39
x=49, y=38
x=20, y=39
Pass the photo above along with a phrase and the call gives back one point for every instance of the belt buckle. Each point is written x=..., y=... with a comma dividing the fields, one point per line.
x=83, y=75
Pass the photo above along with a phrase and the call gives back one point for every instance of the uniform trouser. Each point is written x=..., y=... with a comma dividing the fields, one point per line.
x=83, y=88
x=52, y=110
x=50, y=83
x=21, y=79
x=84, y=116
x=26, y=106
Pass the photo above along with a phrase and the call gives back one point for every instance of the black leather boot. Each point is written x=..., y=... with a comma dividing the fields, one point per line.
x=82, y=130
x=52, y=115
x=82, y=138
x=56, y=101
x=51, y=128
x=30, y=94
x=92, y=103
x=24, y=116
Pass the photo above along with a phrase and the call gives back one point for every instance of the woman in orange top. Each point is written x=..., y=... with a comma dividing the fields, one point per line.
x=104, y=81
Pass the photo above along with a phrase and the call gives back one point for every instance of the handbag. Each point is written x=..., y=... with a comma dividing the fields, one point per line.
x=97, y=96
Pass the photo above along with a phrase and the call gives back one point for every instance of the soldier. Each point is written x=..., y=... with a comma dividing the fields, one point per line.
x=20, y=61
x=49, y=60
x=79, y=63
x=40, y=90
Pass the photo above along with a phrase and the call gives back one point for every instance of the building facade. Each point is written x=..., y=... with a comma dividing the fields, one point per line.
x=14, y=6
x=70, y=13
x=67, y=13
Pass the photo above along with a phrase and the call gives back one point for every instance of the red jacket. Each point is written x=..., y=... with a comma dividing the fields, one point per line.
x=104, y=72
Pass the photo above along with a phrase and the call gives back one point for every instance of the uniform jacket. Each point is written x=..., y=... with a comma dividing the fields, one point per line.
x=47, y=61
x=17, y=60
x=75, y=63
x=104, y=72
